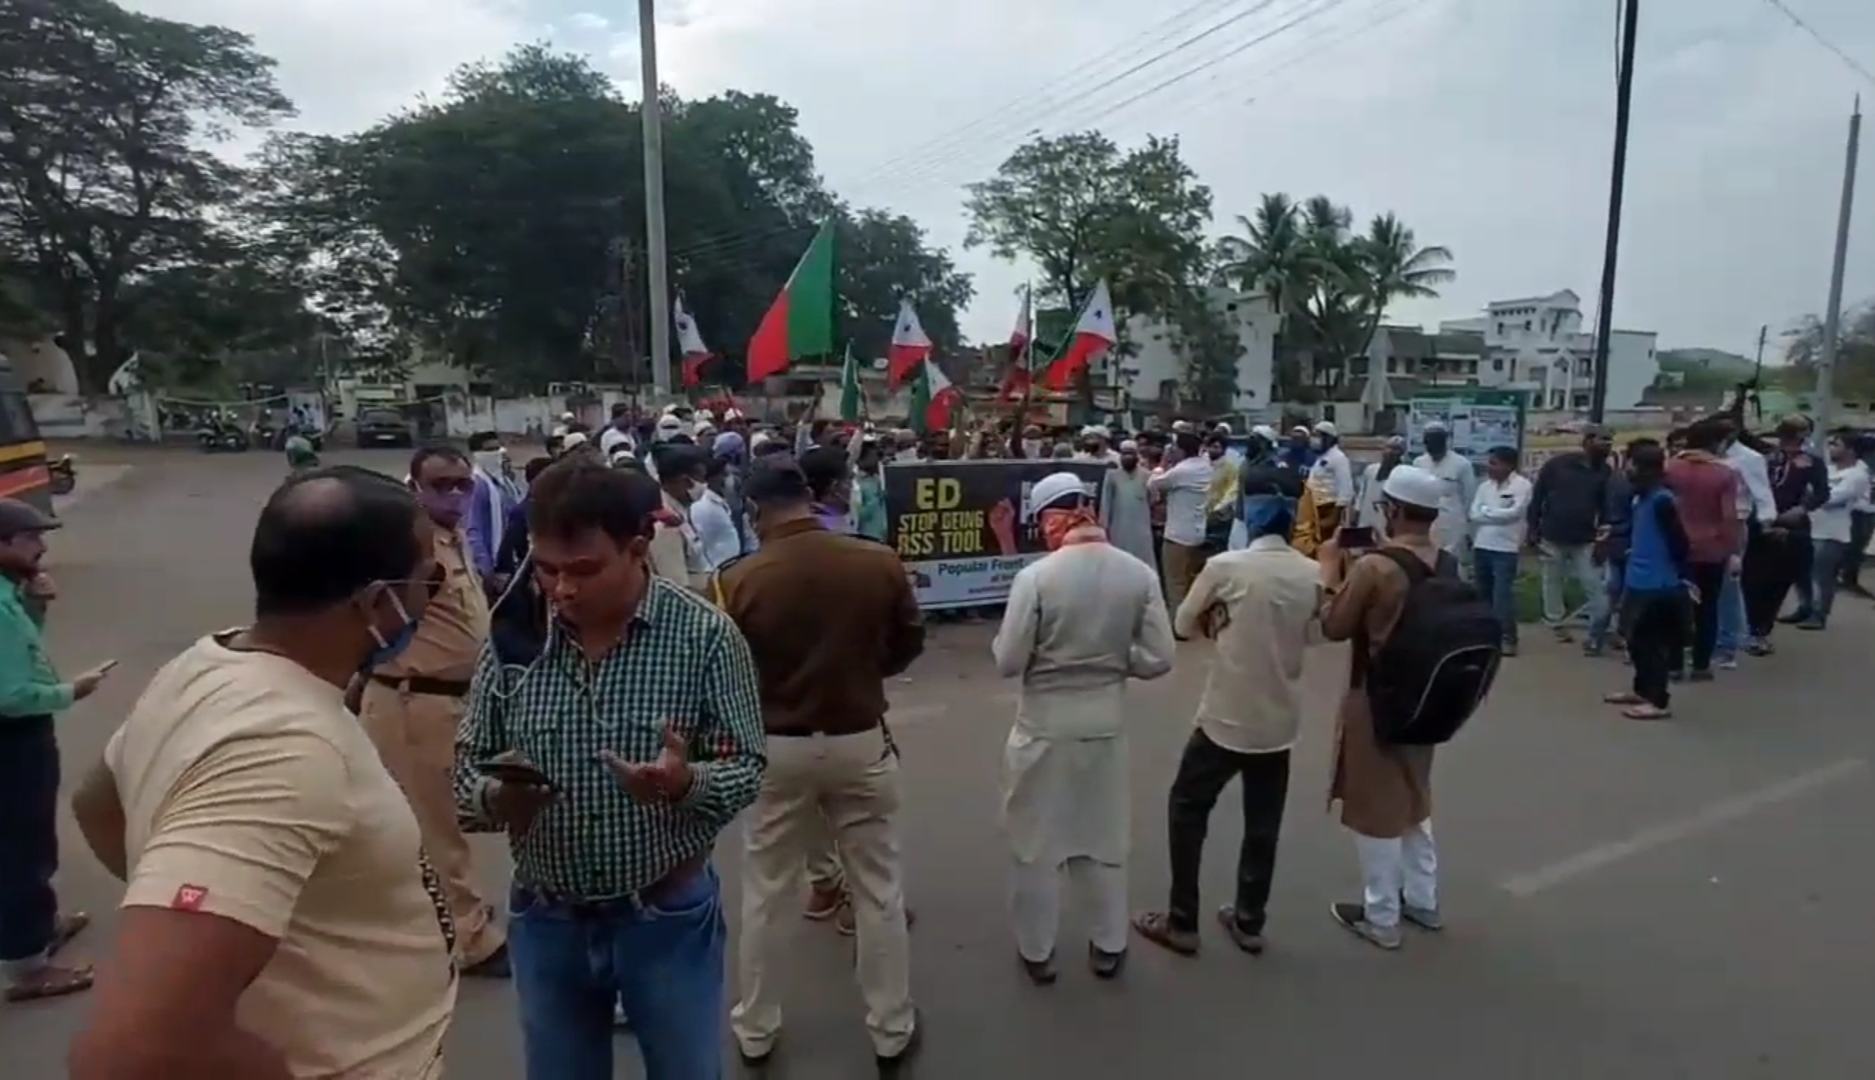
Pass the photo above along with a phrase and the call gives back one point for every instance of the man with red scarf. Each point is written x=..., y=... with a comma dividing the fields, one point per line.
x=1080, y=622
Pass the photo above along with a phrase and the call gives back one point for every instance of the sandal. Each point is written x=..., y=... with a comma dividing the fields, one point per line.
x=65, y=929
x=50, y=982
x=1645, y=711
x=1623, y=697
x=1156, y=927
x=1243, y=939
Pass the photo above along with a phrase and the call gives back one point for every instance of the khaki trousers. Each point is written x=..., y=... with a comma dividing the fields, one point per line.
x=1181, y=565
x=851, y=782
x=416, y=737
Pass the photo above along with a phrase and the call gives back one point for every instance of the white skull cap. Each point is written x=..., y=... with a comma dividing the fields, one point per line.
x=1052, y=489
x=1414, y=486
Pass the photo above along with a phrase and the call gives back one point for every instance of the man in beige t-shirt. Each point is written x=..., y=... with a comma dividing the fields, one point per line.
x=280, y=918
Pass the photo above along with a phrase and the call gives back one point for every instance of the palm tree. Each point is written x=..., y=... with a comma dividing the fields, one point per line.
x=1395, y=267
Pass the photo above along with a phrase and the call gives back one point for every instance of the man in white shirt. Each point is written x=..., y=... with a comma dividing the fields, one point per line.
x=1081, y=622
x=1331, y=477
x=1259, y=604
x=1184, y=486
x=1368, y=500
x=1451, y=532
x=1830, y=524
x=717, y=536
x=617, y=435
x=1498, y=513
x=1757, y=508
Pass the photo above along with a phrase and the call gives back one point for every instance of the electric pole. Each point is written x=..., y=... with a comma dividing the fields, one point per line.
x=656, y=255
x=1832, y=316
x=1763, y=332
x=1605, y=306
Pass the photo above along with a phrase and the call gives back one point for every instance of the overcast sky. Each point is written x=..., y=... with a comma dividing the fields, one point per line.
x=1485, y=124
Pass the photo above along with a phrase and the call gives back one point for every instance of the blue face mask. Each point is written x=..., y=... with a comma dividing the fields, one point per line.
x=389, y=647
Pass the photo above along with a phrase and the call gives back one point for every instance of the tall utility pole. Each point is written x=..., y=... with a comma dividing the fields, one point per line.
x=1605, y=306
x=656, y=255
x=1832, y=317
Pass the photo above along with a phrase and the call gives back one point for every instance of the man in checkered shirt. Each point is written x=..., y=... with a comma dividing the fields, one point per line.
x=642, y=717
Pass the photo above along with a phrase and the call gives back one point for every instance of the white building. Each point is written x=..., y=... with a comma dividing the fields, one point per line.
x=1153, y=376
x=1537, y=344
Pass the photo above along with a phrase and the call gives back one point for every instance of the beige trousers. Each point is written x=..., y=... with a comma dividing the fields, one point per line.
x=851, y=782
x=416, y=736
x=1181, y=565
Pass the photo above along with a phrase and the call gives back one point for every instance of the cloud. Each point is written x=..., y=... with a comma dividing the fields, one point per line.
x=1486, y=126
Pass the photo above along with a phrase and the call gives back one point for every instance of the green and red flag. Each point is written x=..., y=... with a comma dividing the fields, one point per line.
x=800, y=321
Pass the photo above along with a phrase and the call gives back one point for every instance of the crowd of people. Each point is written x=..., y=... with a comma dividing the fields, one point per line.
x=604, y=655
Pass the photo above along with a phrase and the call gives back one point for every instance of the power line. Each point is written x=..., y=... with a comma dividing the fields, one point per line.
x=715, y=249
x=1798, y=21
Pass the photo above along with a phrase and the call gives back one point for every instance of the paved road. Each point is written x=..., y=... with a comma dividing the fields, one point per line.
x=1687, y=899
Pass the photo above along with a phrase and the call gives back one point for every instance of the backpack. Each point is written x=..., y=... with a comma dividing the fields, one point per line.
x=1439, y=661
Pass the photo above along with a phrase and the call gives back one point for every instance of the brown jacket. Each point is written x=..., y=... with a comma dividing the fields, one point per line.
x=829, y=617
x=1383, y=790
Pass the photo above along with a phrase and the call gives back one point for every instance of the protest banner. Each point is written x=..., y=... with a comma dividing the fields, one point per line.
x=963, y=528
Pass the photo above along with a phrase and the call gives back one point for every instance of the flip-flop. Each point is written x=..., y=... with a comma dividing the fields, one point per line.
x=1645, y=711
x=1156, y=927
x=51, y=982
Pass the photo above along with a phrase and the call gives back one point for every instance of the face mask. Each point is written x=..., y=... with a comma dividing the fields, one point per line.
x=1057, y=524
x=1032, y=447
x=491, y=461
x=399, y=640
x=452, y=504
x=697, y=488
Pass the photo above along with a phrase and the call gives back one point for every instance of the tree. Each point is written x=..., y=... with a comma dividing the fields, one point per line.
x=103, y=175
x=1854, y=375
x=1083, y=209
x=1330, y=286
x=1207, y=340
x=501, y=224
x=881, y=257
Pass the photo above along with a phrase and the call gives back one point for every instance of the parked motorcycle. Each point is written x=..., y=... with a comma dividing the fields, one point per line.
x=64, y=475
x=216, y=436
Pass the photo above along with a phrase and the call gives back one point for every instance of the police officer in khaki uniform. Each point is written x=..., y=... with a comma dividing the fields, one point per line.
x=414, y=697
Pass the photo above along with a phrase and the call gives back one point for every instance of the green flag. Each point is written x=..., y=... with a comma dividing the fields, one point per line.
x=800, y=322
x=851, y=404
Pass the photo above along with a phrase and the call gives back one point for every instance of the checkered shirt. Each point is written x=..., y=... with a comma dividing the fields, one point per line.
x=681, y=661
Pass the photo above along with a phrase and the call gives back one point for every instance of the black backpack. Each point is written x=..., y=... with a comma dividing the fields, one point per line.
x=1440, y=659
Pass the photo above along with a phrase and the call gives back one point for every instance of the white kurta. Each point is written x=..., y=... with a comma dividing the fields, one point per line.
x=1079, y=623
x=1453, y=528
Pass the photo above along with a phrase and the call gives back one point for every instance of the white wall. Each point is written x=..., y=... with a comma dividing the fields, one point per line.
x=1158, y=367
x=42, y=360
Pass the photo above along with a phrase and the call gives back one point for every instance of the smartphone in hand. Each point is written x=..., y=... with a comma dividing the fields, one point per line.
x=515, y=772
x=1355, y=538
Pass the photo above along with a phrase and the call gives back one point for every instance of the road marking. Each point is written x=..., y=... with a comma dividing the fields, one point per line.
x=1672, y=831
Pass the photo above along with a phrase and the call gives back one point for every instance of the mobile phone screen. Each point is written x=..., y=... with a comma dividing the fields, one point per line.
x=1356, y=536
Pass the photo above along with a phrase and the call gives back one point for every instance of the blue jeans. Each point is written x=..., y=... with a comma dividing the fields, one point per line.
x=1831, y=557
x=663, y=963
x=1614, y=588
x=29, y=842
x=1495, y=575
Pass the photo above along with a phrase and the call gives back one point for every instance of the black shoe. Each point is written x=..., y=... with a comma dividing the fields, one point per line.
x=1105, y=965
x=1703, y=675
x=492, y=966
x=1040, y=972
x=890, y=1064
